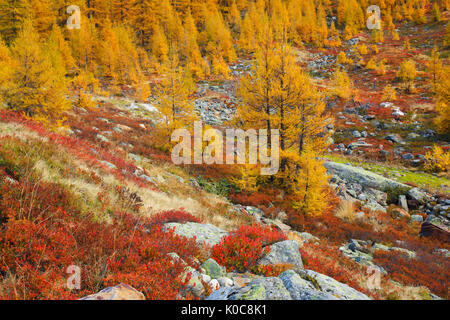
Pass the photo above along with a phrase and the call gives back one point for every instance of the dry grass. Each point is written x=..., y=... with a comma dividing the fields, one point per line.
x=18, y=131
x=346, y=211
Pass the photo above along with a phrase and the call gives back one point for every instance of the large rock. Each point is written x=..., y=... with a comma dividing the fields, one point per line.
x=335, y=288
x=395, y=138
x=301, y=289
x=270, y=288
x=436, y=227
x=204, y=233
x=120, y=292
x=213, y=269
x=358, y=175
x=418, y=195
x=290, y=285
x=283, y=252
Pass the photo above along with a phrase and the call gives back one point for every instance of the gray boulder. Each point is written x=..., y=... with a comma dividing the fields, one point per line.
x=358, y=175
x=213, y=269
x=283, y=252
x=270, y=288
x=301, y=289
x=336, y=288
x=418, y=195
x=395, y=138
x=204, y=233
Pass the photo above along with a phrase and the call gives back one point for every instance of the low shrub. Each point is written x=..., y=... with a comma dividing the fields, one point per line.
x=241, y=250
x=179, y=216
x=44, y=235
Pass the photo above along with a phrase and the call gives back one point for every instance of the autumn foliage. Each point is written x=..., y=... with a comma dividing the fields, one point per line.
x=241, y=250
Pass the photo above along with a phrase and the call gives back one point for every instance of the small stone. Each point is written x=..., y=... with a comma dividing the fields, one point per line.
x=206, y=278
x=225, y=282
x=402, y=202
x=214, y=285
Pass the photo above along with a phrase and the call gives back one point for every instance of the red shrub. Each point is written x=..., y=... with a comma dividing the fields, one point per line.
x=266, y=234
x=426, y=270
x=43, y=235
x=242, y=249
x=255, y=199
x=328, y=260
x=180, y=216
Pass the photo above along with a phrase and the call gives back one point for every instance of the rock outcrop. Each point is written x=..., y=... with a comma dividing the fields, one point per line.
x=290, y=285
x=203, y=233
x=283, y=252
x=363, y=177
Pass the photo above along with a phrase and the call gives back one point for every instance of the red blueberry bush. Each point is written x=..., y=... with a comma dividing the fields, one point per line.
x=174, y=216
x=241, y=250
x=41, y=235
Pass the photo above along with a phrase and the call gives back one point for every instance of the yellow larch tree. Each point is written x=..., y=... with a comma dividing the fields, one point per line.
x=342, y=85
x=160, y=47
x=443, y=101
x=191, y=52
x=407, y=73
x=13, y=14
x=435, y=66
x=84, y=43
x=173, y=100
x=35, y=87
x=307, y=184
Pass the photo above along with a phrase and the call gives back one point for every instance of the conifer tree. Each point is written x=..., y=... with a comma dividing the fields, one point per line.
x=13, y=14
x=447, y=36
x=35, y=87
x=173, y=100
x=443, y=101
x=84, y=43
x=407, y=73
x=342, y=85
x=109, y=48
x=160, y=47
x=435, y=66
x=191, y=51
x=308, y=184
x=60, y=51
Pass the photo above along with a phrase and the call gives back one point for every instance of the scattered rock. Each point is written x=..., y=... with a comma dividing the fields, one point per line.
x=214, y=285
x=396, y=212
x=436, y=227
x=395, y=138
x=225, y=282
